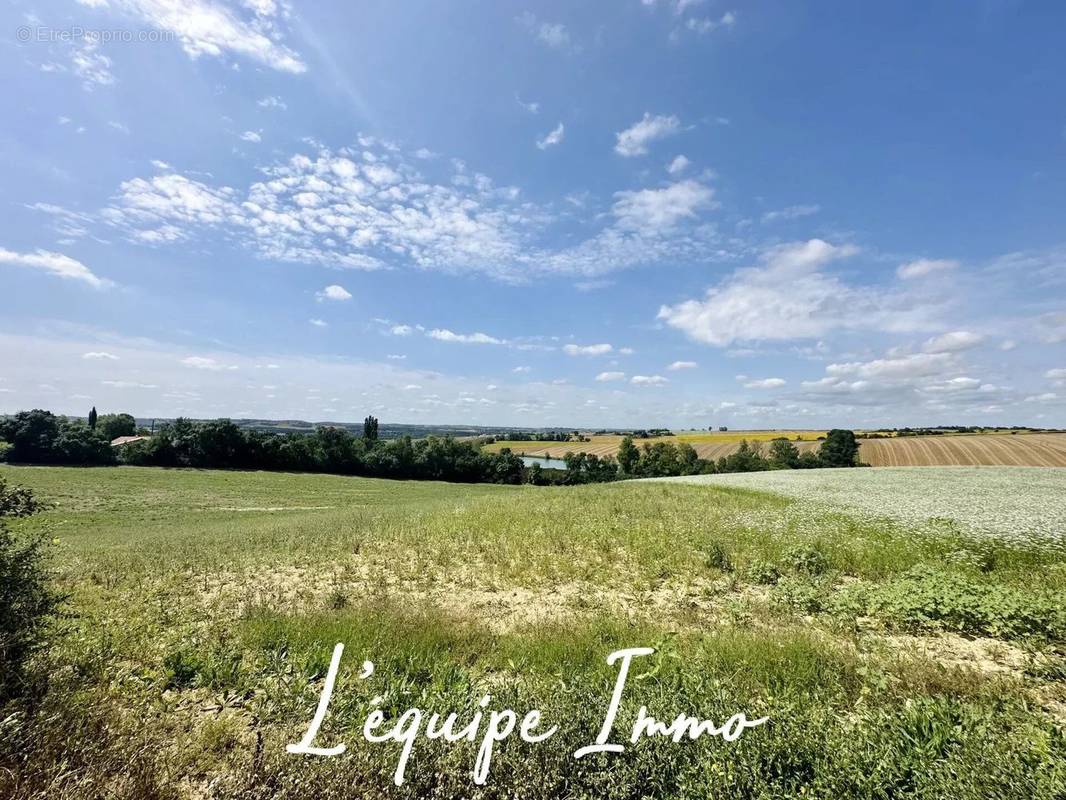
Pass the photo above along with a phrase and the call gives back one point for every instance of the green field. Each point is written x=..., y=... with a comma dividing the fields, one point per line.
x=894, y=657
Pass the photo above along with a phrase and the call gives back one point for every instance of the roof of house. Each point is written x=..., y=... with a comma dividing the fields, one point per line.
x=121, y=440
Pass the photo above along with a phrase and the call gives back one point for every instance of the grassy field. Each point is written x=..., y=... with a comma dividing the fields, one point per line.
x=981, y=449
x=895, y=656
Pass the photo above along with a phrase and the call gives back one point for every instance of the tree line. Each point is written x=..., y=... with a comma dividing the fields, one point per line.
x=42, y=437
x=839, y=448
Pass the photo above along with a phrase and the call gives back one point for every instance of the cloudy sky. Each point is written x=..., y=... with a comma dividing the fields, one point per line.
x=638, y=212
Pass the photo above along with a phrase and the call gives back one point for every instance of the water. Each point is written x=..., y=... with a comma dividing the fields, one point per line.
x=546, y=463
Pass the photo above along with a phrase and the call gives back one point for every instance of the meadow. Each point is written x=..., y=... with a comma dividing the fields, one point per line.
x=1026, y=449
x=896, y=655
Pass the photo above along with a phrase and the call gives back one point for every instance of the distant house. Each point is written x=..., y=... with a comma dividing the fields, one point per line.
x=121, y=440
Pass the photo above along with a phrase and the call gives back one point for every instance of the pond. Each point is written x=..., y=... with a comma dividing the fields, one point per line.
x=544, y=461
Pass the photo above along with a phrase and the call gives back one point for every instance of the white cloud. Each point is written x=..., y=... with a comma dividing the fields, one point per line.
x=682, y=365
x=924, y=266
x=93, y=68
x=318, y=323
x=272, y=101
x=792, y=212
x=118, y=126
x=651, y=211
x=203, y=362
x=952, y=342
x=333, y=210
x=334, y=292
x=532, y=107
x=401, y=330
x=396, y=357
x=587, y=350
x=521, y=370
x=703, y=25
x=789, y=297
x=906, y=367
x=1057, y=376
x=761, y=383
x=634, y=140
x=552, y=138
x=100, y=355
x=606, y=377
x=553, y=35
x=54, y=263
x=251, y=136
x=208, y=28
x=648, y=380
x=678, y=165
x=445, y=335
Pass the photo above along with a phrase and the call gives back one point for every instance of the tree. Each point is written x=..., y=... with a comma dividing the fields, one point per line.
x=370, y=430
x=27, y=603
x=628, y=456
x=783, y=454
x=115, y=425
x=92, y=418
x=839, y=449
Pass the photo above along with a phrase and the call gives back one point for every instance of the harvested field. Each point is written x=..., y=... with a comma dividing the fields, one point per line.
x=962, y=450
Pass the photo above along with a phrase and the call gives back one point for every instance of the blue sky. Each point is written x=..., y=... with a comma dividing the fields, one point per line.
x=678, y=212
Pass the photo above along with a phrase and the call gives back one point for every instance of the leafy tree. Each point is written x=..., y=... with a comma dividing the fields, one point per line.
x=28, y=605
x=115, y=425
x=840, y=449
x=628, y=456
x=92, y=418
x=746, y=458
x=783, y=454
x=370, y=430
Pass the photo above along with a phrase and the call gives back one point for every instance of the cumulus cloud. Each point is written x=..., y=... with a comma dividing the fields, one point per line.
x=952, y=342
x=55, y=264
x=587, y=350
x=208, y=28
x=648, y=380
x=790, y=295
x=552, y=138
x=924, y=266
x=401, y=330
x=607, y=377
x=651, y=211
x=100, y=355
x=682, y=365
x=445, y=335
x=251, y=136
x=761, y=383
x=334, y=292
x=319, y=323
x=634, y=140
x=678, y=165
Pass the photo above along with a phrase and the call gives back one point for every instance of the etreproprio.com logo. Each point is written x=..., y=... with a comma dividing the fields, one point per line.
x=76, y=33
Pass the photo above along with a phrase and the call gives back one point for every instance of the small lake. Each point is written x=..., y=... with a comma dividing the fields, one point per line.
x=546, y=463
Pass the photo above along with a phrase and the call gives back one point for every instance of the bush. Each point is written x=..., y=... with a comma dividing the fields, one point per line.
x=27, y=603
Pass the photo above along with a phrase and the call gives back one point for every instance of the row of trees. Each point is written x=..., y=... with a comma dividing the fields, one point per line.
x=40, y=437
x=44, y=438
x=664, y=459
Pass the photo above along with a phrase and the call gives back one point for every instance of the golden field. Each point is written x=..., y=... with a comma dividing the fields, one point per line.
x=978, y=449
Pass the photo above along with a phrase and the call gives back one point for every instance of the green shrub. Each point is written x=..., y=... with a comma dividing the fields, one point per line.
x=27, y=603
x=807, y=559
